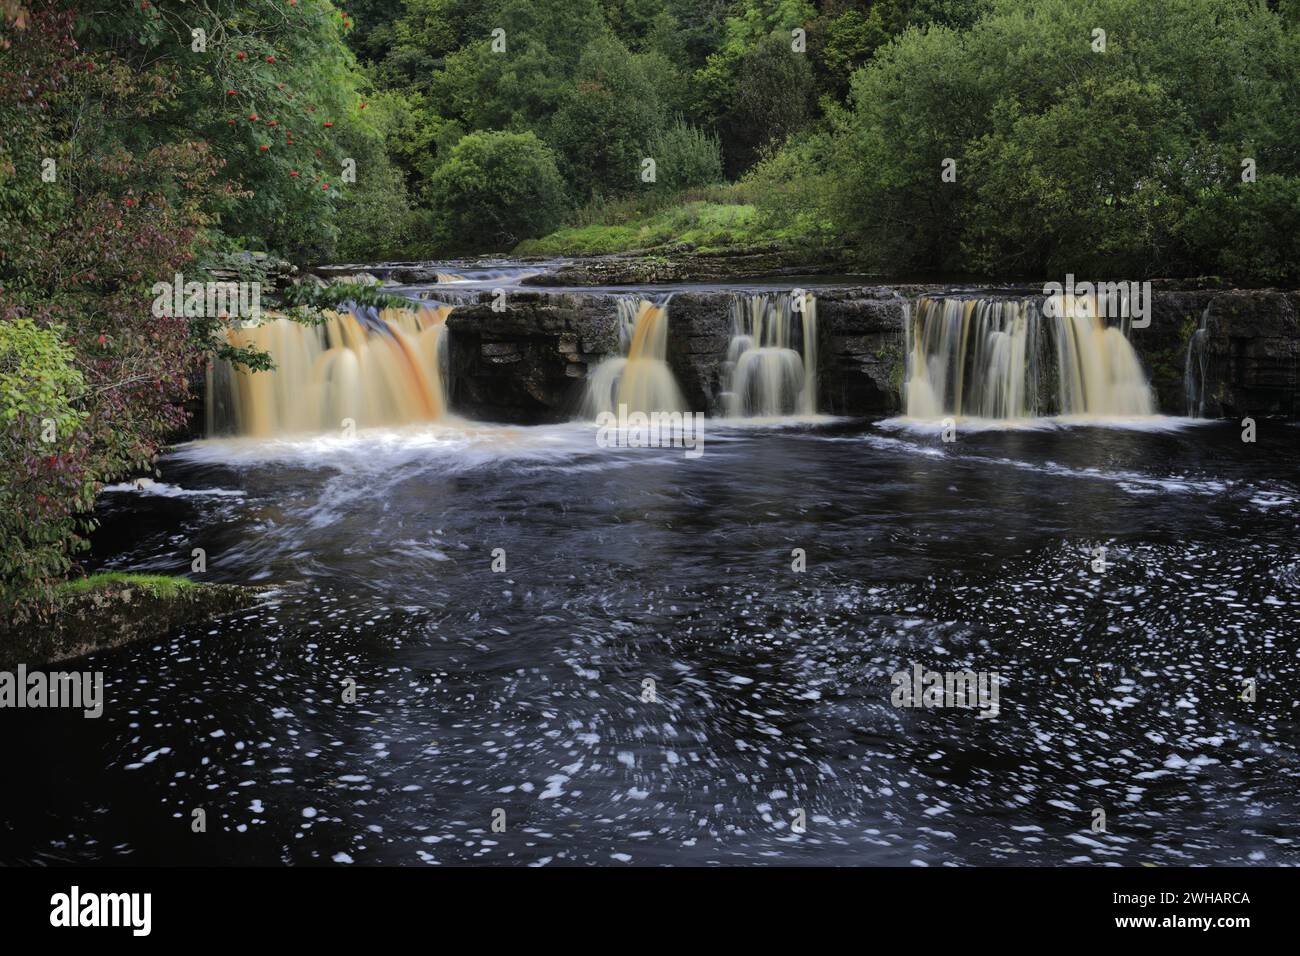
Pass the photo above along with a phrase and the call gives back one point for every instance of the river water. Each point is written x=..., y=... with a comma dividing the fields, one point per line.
x=524, y=690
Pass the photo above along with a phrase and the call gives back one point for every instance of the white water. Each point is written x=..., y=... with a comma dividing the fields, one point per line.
x=999, y=359
x=641, y=378
x=1194, y=371
x=771, y=367
x=365, y=367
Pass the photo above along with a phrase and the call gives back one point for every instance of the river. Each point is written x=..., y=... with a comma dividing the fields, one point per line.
x=768, y=734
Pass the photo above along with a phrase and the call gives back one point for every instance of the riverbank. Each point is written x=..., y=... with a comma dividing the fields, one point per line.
x=111, y=609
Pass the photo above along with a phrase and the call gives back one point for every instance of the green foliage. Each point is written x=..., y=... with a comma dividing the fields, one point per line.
x=1248, y=230
x=43, y=483
x=685, y=156
x=603, y=127
x=702, y=219
x=772, y=98
x=158, y=585
x=495, y=189
x=374, y=217
x=794, y=188
x=304, y=300
x=1067, y=159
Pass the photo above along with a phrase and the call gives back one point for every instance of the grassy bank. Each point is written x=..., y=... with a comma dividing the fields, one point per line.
x=709, y=220
x=157, y=585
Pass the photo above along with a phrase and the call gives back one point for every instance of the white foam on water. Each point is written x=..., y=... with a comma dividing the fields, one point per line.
x=457, y=443
x=1141, y=423
x=1130, y=482
x=147, y=486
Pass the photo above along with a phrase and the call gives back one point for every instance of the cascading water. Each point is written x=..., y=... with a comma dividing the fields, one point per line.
x=640, y=378
x=374, y=367
x=1194, y=370
x=771, y=367
x=1004, y=359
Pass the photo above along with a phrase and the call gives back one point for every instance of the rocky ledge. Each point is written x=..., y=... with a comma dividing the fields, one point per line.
x=683, y=264
x=527, y=362
x=115, y=612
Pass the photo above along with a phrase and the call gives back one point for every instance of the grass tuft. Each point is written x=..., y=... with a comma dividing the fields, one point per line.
x=160, y=585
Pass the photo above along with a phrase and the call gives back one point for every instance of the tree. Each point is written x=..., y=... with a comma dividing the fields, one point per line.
x=1069, y=157
x=604, y=126
x=773, y=98
x=496, y=189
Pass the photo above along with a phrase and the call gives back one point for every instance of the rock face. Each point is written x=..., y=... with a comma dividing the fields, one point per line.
x=699, y=331
x=528, y=363
x=860, y=351
x=1244, y=362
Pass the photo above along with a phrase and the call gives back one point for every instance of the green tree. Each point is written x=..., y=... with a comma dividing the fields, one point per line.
x=496, y=189
x=772, y=98
x=603, y=128
x=44, y=486
x=685, y=156
x=1073, y=157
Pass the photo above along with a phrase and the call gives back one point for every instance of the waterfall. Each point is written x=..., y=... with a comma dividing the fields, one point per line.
x=639, y=378
x=375, y=367
x=771, y=366
x=1005, y=359
x=1194, y=369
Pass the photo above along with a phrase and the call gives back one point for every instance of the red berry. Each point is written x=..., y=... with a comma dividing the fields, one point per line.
x=270, y=59
x=264, y=148
x=230, y=92
x=293, y=172
x=325, y=186
x=240, y=55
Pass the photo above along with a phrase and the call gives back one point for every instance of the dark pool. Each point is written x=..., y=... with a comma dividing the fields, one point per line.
x=523, y=690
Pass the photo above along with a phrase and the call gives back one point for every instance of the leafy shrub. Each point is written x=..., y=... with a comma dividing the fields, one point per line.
x=772, y=98
x=495, y=189
x=794, y=187
x=44, y=484
x=1132, y=167
x=685, y=156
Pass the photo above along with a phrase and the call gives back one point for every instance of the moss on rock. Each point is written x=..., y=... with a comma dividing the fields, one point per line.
x=111, y=609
